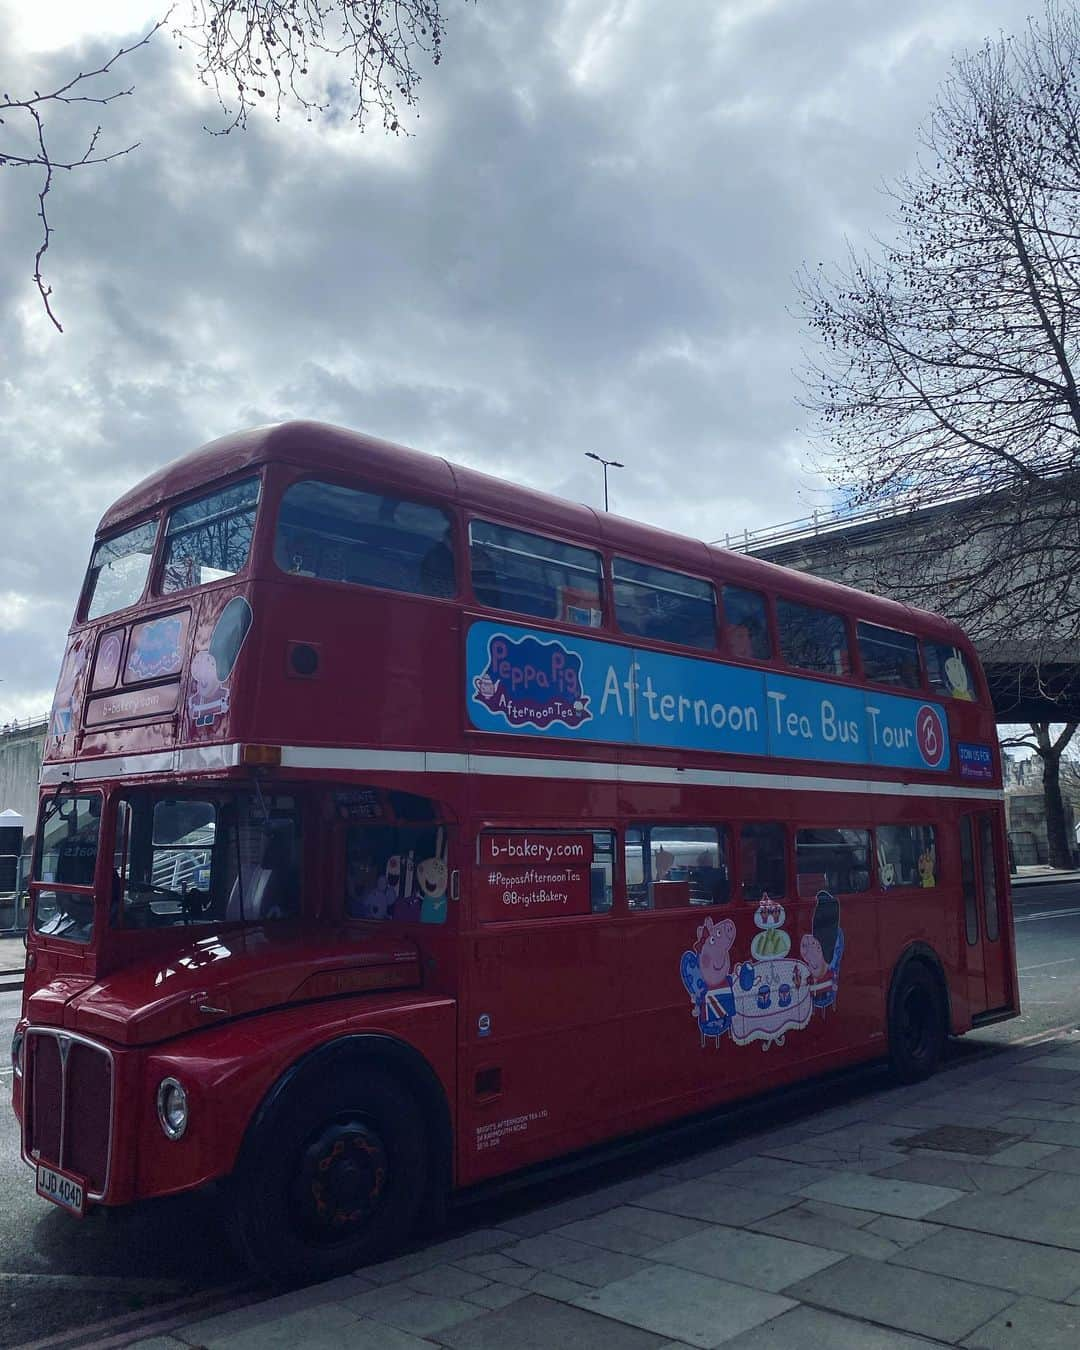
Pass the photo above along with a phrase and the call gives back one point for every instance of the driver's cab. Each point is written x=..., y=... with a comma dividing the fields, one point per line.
x=214, y=857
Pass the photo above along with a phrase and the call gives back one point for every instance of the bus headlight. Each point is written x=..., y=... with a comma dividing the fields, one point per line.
x=172, y=1108
x=17, y=1053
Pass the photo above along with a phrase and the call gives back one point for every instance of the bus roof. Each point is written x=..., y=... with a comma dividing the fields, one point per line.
x=317, y=446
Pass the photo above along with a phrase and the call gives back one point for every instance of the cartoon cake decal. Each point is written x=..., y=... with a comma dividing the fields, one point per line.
x=772, y=993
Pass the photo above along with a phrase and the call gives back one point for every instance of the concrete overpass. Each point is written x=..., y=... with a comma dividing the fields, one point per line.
x=924, y=555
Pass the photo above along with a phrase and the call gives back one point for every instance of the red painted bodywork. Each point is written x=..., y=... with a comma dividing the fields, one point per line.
x=589, y=1033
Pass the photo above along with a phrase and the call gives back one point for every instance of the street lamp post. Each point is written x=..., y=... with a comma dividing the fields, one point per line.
x=607, y=463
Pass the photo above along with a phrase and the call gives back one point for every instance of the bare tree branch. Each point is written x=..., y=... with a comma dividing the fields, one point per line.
x=244, y=49
x=75, y=90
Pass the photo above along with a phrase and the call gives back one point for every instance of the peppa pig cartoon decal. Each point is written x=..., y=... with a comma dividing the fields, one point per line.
x=706, y=973
x=771, y=993
x=212, y=665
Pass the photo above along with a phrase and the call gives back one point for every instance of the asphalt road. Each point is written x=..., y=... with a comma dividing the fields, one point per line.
x=57, y=1274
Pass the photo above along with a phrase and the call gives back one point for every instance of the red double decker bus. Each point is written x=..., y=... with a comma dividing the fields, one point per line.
x=401, y=828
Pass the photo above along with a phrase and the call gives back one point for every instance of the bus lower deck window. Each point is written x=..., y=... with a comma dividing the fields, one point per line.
x=763, y=861
x=668, y=866
x=906, y=855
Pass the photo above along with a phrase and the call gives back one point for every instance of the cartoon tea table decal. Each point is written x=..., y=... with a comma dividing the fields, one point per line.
x=764, y=998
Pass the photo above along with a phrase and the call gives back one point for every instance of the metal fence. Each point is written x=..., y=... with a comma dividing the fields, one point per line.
x=14, y=904
x=18, y=724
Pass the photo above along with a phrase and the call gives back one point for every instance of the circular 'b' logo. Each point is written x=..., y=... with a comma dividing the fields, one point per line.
x=930, y=735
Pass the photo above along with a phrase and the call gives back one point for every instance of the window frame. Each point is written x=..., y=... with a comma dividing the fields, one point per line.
x=797, y=829
x=724, y=844
x=786, y=828
x=864, y=678
x=852, y=675
x=768, y=599
x=611, y=581
x=467, y=592
x=89, y=587
x=156, y=587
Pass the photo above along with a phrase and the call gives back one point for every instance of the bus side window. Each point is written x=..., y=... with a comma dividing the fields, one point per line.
x=906, y=856
x=670, y=866
x=534, y=575
x=948, y=671
x=813, y=639
x=762, y=861
x=602, y=871
x=746, y=623
x=832, y=860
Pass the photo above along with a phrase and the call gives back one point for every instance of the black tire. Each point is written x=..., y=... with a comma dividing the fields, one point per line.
x=916, y=1024
x=332, y=1179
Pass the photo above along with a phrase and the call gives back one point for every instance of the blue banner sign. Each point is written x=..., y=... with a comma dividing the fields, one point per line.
x=975, y=761
x=543, y=684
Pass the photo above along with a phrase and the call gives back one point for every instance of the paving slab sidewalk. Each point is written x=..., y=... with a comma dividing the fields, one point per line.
x=886, y=1224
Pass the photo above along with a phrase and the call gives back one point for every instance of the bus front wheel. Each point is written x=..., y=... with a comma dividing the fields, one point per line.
x=333, y=1180
x=916, y=1024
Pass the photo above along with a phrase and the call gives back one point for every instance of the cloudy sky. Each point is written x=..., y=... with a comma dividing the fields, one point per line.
x=588, y=243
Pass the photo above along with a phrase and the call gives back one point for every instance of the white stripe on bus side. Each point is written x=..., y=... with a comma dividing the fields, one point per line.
x=506, y=766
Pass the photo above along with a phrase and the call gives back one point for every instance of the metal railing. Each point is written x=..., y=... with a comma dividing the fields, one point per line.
x=18, y=724
x=14, y=904
x=820, y=522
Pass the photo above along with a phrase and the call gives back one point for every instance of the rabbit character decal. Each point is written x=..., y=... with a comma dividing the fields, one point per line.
x=432, y=877
x=886, y=870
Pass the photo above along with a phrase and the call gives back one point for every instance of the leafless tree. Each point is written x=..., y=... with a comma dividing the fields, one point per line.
x=1057, y=766
x=948, y=358
x=246, y=51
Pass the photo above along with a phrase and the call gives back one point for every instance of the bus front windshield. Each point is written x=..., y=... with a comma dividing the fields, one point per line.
x=215, y=857
x=65, y=861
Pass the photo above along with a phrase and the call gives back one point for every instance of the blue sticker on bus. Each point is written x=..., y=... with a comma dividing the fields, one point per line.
x=975, y=761
x=542, y=684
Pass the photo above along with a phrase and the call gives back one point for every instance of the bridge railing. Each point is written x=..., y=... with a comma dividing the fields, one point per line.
x=17, y=724
x=817, y=523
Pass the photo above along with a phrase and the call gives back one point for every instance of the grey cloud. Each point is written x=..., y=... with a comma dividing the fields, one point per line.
x=550, y=265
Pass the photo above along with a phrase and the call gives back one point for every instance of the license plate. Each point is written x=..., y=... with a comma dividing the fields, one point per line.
x=62, y=1189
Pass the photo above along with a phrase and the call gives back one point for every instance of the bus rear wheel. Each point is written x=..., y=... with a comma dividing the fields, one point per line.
x=332, y=1180
x=916, y=1024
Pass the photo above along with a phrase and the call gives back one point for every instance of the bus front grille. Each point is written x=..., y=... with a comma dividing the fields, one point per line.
x=67, y=1118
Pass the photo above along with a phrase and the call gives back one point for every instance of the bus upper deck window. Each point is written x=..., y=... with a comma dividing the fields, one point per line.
x=746, y=620
x=651, y=602
x=812, y=639
x=343, y=534
x=210, y=538
x=118, y=570
x=948, y=671
x=531, y=574
x=888, y=656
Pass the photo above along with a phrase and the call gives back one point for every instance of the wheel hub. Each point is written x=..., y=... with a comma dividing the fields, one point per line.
x=343, y=1174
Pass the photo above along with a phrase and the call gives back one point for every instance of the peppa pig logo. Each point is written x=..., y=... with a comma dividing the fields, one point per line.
x=532, y=683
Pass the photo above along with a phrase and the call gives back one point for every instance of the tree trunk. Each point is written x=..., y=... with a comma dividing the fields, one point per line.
x=1050, y=751
x=1057, y=834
